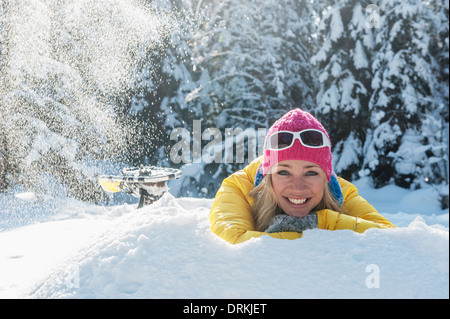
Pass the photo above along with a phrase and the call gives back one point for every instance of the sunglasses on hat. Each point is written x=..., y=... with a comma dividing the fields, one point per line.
x=311, y=138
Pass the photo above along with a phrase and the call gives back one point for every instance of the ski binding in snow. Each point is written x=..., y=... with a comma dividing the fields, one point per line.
x=148, y=183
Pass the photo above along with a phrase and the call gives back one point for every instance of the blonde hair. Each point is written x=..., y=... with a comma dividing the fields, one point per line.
x=265, y=205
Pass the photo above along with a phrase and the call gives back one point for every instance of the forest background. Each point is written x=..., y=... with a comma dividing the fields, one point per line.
x=194, y=84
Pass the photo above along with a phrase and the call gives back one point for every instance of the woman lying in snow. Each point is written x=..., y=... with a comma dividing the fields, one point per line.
x=290, y=189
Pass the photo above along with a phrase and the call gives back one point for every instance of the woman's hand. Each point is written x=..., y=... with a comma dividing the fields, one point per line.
x=287, y=223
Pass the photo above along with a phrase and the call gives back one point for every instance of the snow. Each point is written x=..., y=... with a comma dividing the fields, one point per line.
x=348, y=154
x=336, y=27
x=62, y=248
x=360, y=59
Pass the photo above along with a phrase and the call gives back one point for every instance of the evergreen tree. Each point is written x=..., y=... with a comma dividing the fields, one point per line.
x=165, y=106
x=258, y=52
x=3, y=65
x=231, y=68
x=254, y=62
x=404, y=147
x=64, y=68
x=439, y=50
x=343, y=61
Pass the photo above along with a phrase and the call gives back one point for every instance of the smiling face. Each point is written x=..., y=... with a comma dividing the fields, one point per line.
x=298, y=186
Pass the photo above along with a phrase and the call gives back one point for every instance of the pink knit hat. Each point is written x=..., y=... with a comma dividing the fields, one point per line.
x=294, y=121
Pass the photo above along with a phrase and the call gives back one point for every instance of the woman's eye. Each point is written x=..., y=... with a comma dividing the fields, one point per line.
x=283, y=172
x=312, y=173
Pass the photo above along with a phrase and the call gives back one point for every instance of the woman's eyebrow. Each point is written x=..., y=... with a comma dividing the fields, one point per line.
x=308, y=166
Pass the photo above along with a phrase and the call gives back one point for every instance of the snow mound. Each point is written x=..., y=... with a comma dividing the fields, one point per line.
x=166, y=250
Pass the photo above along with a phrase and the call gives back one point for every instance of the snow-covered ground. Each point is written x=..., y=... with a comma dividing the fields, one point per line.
x=62, y=248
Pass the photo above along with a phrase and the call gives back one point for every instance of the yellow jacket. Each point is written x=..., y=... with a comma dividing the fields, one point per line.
x=231, y=214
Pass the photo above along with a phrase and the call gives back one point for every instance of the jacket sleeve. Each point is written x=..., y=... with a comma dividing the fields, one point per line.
x=331, y=220
x=231, y=214
x=359, y=216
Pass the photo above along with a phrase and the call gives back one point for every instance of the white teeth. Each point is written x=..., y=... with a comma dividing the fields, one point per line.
x=297, y=201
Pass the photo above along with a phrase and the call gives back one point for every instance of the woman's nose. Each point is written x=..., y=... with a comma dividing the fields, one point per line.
x=298, y=184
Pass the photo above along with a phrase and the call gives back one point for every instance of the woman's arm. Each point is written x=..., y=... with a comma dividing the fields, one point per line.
x=359, y=214
x=356, y=206
x=331, y=220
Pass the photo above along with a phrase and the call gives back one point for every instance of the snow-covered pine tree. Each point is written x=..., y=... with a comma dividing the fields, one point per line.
x=170, y=102
x=231, y=65
x=159, y=89
x=406, y=117
x=34, y=85
x=343, y=63
x=439, y=50
x=258, y=52
x=254, y=62
x=64, y=65
x=3, y=65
